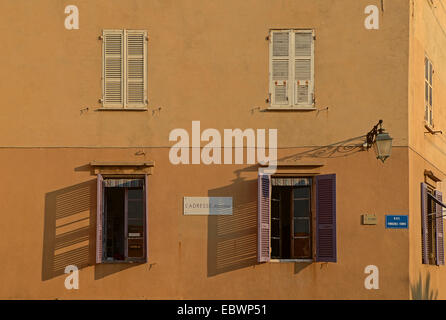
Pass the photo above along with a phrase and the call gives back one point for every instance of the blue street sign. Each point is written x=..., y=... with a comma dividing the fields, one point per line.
x=397, y=222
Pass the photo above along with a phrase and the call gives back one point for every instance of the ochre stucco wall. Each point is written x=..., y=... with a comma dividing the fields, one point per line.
x=207, y=61
x=427, y=152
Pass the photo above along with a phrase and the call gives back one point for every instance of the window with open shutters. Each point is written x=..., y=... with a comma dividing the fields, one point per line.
x=121, y=219
x=432, y=225
x=124, y=68
x=292, y=68
x=428, y=96
x=287, y=208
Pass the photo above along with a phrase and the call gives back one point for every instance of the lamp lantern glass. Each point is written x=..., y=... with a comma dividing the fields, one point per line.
x=383, y=145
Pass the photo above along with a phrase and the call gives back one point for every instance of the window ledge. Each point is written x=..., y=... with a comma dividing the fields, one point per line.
x=121, y=109
x=291, y=108
x=290, y=260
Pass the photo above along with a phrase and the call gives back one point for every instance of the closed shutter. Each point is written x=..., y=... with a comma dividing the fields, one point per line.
x=326, y=218
x=424, y=224
x=99, y=218
x=146, y=227
x=113, y=68
x=136, y=66
x=264, y=200
x=280, y=67
x=303, y=68
x=439, y=233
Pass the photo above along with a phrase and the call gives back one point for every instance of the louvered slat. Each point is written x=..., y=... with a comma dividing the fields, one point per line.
x=135, y=68
x=303, y=68
x=303, y=43
x=113, y=68
x=281, y=44
x=424, y=225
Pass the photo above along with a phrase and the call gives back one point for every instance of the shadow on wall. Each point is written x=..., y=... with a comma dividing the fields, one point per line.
x=69, y=236
x=69, y=229
x=232, y=240
x=420, y=292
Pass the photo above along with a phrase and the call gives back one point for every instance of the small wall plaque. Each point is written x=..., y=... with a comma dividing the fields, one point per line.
x=369, y=219
x=208, y=206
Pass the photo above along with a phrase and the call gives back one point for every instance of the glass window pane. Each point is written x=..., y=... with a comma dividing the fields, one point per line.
x=426, y=69
x=430, y=73
x=430, y=96
x=302, y=192
x=135, y=194
x=135, y=209
x=301, y=227
x=426, y=92
x=275, y=228
x=301, y=208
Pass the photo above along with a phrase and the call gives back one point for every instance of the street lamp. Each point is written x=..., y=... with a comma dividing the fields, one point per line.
x=381, y=142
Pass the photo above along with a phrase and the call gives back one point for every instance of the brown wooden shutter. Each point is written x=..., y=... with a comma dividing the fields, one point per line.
x=146, y=228
x=264, y=200
x=99, y=218
x=326, y=218
x=439, y=233
x=424, y=224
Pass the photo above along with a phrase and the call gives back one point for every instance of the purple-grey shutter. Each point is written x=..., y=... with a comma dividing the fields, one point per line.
x=439, y=233
x=424, y=224
x=326, y=218
x=146, y=226
x=264, y=198
x=99, y=222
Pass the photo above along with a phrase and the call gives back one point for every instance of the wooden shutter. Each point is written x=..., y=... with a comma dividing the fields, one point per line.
x=99, y=218
x=326, y=218
x=439, y=233
x=264, y=200
x=146, y=221
x=135, y=68
x=424, y=224
x=303, y=67
x=280, y=67
x=113, y=68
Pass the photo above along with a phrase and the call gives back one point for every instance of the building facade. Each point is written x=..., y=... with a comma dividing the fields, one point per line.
x=93, y=109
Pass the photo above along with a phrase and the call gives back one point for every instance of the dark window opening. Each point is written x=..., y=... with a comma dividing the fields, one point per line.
x=291, y=235
x=124, y=220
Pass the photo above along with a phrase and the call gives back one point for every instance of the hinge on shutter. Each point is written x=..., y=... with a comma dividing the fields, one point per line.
x=314, y=37
x=100, y=38
x=147, y=38
x=267, y=38
x=314, y=98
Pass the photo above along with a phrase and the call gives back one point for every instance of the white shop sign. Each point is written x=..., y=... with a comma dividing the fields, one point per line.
x=207, y=206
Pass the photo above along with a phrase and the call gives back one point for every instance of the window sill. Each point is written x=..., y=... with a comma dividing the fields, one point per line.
x=121, y=109
x=290, y=260
x=291, y=108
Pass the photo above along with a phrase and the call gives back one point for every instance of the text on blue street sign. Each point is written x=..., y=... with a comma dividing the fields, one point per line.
x=397, y=221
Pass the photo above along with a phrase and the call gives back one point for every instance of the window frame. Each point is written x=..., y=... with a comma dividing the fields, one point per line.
x=103, y=222
x=311, y=219
x=290, y=83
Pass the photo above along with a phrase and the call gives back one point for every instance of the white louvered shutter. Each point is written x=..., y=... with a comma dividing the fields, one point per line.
x=280, y=68
x=113, y=68
x=135, y=68
x=303, y=68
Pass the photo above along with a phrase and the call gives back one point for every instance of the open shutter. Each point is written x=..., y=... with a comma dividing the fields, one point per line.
x=280, y=67
x=146, y=227
x=136, y=66
x=439, y=233
x=303, y=68
x=264, y=198
x=424, y=224
x=99, y=217
x=113, y=68
x=326, y=218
